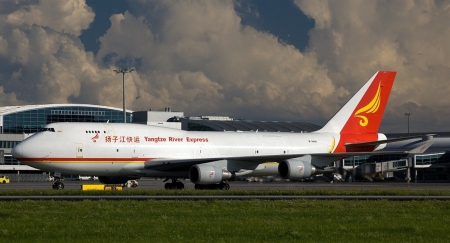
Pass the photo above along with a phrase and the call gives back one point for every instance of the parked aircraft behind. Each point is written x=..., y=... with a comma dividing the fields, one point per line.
x=117, y=153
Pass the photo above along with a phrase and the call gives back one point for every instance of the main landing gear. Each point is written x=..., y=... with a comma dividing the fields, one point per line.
x=175, y=184
x=221, y=186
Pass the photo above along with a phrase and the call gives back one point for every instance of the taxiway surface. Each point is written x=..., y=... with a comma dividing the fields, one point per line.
x=152, y=184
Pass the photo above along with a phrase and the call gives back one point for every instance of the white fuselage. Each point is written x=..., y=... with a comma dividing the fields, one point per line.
x=121, y=149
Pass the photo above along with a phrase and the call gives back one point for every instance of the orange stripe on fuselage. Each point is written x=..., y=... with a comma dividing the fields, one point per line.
x=84, y=160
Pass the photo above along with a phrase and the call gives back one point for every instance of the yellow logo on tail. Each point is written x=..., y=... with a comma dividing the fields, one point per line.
x=372, y=107
x=332, y=145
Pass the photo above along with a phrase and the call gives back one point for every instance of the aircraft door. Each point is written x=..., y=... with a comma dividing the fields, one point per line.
x=79, y=150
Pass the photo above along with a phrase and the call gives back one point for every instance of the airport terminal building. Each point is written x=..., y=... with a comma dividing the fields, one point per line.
x=19, y=122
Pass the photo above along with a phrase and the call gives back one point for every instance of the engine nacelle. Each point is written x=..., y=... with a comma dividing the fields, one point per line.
x=114, y=179
x=295, y=169
x=208, y=174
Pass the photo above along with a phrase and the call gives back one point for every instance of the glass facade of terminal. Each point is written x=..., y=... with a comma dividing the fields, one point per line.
x=422, y=160
x=432, y=159
x=359, y=160
x=31, y=121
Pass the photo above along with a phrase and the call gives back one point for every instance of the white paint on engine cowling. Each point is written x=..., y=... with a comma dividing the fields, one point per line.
x=207, y=174
x=296, y=168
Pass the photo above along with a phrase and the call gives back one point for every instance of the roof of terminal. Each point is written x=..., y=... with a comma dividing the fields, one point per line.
x=5, y=110
x=236, y=125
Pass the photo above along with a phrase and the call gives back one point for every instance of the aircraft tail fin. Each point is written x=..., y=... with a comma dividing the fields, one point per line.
x=362, y=114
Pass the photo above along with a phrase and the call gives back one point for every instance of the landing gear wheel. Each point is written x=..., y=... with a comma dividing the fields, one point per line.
x=175, y=184
x=58, y=185
x=179, y=185
x=168, y=186
x=224, y=185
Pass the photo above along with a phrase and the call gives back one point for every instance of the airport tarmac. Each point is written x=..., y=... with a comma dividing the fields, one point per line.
x=153, y=184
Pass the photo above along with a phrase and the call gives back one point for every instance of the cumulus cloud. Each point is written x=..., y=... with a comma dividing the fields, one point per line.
x=241, y=71
x=65, y=16
x=197, y=57
x=356, y=38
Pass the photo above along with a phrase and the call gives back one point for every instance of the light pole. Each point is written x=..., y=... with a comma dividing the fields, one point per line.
x=123, y=71
x=408, y=114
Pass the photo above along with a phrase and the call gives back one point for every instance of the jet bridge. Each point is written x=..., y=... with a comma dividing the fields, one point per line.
x=381, y=170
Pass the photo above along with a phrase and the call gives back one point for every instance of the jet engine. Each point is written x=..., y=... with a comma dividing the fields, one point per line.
x=296, y=169
x=114, y=179
x=208, y=174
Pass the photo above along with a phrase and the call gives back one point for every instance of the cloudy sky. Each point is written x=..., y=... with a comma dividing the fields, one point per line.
x=259, y=60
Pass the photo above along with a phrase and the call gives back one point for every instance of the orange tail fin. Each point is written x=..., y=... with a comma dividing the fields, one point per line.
x=362, y=114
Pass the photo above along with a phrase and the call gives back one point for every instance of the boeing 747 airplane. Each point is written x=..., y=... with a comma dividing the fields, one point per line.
x=120, y=152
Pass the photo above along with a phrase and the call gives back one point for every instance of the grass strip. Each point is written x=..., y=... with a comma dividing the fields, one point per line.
x=225, y=221
x=384, y=192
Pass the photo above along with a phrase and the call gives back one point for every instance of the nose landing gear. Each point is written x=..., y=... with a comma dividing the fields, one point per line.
x=58, y=184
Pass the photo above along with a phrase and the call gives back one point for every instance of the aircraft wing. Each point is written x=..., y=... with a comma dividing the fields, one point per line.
x=168, y=164
x=322, y=159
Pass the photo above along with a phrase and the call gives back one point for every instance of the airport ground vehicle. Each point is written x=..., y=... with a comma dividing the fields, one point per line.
x=131, y=183
x=87, y=178
x=4, y=179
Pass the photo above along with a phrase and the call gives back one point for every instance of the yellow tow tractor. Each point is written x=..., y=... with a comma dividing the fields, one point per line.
x=4, y=179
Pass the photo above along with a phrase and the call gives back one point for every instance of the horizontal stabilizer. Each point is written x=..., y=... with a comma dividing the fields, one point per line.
x=422, y=147
x=378, y=142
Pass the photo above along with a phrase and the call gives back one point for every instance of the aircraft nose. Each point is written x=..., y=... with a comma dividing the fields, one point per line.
x=17, y=151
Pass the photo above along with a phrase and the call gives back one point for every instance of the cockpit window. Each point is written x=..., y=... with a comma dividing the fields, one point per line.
x=47, y=129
